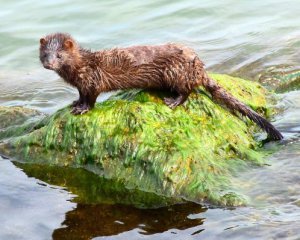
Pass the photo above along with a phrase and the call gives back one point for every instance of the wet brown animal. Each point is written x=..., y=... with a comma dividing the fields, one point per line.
x=172, y=67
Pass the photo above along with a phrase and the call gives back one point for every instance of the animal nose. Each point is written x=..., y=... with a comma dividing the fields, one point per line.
x=47, y=66
x=49, y=63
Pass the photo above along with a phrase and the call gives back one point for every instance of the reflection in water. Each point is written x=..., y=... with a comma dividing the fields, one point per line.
x=29, y=209
x=88, y=221
x=91, y=188
x=99, y=212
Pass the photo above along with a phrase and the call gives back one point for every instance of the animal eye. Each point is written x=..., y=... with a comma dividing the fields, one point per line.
x=58, y=55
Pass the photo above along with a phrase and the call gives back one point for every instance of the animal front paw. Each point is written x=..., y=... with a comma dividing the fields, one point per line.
x=79, y=110
x=171, y=102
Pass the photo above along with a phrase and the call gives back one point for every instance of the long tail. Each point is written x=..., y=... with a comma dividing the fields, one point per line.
x=220, y=95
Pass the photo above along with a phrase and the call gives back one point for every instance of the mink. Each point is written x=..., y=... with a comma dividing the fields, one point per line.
x=172, y=67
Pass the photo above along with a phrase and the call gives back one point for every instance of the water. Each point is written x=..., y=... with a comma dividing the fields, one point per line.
x=30, y=209
x=243, y=38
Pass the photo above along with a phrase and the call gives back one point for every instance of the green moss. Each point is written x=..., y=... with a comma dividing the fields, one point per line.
x=190, y=152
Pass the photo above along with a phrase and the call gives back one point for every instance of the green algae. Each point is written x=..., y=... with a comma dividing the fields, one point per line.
x=191, y=152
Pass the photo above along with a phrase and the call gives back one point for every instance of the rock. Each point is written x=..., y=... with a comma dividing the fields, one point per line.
x=281, y=80
x=15, y=121
x=188, y=153
x=289, y=82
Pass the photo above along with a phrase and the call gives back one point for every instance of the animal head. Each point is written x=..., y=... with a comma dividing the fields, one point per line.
x=57, y=50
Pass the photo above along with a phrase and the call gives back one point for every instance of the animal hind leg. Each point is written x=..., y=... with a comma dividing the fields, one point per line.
x=174, y=102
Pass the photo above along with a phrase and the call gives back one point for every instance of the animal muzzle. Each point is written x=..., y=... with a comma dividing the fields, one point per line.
x=50, y=65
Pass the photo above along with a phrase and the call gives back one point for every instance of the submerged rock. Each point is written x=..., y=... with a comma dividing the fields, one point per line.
x=281, y=80
x=289, y=82
x=188, y=153
x=15, y=121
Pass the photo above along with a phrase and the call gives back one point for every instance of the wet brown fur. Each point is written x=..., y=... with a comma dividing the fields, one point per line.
x=172, y=67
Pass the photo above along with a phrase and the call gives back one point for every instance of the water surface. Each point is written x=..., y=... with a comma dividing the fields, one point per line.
x=245, y=38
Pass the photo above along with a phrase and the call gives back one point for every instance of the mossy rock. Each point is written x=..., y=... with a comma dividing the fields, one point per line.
x=15, y=121
x=188, y=153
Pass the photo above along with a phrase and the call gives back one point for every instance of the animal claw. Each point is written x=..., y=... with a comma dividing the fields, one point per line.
x=84, y=111
x=80, y=110
x=171, y=102
x=73, y=110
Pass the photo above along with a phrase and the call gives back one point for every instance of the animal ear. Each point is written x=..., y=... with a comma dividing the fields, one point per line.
x=42, y=41
x=68, y=44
